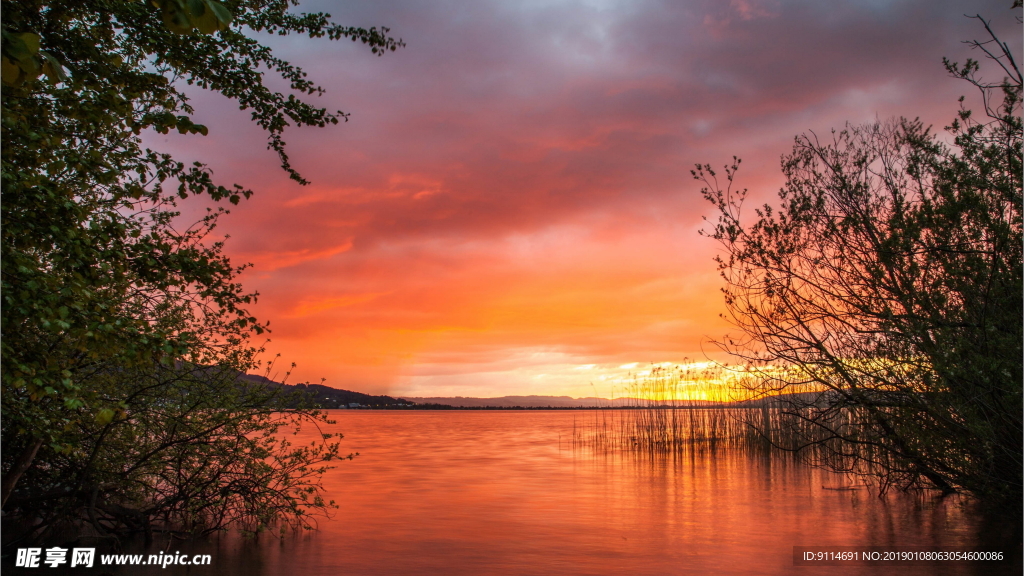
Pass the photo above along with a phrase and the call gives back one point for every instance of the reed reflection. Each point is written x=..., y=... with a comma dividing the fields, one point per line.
x=474, y=492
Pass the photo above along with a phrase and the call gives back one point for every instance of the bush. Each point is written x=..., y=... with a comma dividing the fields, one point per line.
x=886, y=289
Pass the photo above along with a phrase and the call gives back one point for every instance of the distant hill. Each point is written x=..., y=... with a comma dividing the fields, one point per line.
x=541, y=402
x=327, y=397
x=517, y=401
x=591, y=402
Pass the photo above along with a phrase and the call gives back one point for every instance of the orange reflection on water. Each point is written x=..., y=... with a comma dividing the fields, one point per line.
x=486, y=492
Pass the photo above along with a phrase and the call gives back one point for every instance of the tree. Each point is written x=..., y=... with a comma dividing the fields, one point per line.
x=95, y=278
x=885, y=293
x=190, y=450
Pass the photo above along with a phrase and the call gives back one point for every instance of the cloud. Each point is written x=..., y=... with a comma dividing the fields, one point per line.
x=517, y=178
x=268, y=261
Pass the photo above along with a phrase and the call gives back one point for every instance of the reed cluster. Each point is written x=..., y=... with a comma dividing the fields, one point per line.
x=709, y=406
x=687, y=408
x=702, y=410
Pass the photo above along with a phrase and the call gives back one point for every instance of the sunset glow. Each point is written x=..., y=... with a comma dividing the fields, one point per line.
x=509, y=208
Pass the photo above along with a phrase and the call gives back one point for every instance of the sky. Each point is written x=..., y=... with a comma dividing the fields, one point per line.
x=509, y=209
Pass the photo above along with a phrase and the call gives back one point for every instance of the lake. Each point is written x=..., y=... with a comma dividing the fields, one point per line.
x=504, y=492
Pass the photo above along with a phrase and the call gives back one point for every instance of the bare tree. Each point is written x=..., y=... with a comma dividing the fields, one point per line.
x=883, y=296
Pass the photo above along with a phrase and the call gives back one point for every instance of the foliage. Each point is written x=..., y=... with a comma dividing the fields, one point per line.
x=193, y=449
x=97, y=281
x=888, y=283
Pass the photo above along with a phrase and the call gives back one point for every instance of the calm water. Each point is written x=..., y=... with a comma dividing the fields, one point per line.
x=498, y=493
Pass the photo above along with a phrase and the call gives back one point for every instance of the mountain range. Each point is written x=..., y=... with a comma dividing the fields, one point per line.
x=328, y=397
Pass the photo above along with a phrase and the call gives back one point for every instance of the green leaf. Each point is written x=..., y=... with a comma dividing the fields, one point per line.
x=207, y=23
x=52, y=68
x=175, y=18
x=31, y=41
x=222, y=12
x=104, y=416
x=30, y=66
x=11, y=71
x=196, y=7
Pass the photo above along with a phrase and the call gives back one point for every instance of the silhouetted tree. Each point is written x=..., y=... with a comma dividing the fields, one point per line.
x=887, y=287
x=96, y=282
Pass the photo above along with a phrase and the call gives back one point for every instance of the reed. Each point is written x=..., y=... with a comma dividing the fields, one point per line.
x=672, y=410
x=702, y=407
x=703, y=410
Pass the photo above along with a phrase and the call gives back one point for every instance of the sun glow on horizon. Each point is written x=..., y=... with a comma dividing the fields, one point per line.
x=682, y=380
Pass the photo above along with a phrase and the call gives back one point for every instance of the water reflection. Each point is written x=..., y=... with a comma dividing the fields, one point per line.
x=503, y=493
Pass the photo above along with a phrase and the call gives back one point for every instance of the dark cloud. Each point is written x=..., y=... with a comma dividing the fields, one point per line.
x=518, y=175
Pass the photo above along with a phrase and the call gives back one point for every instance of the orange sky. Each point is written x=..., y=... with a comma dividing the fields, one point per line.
x=509, y=209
